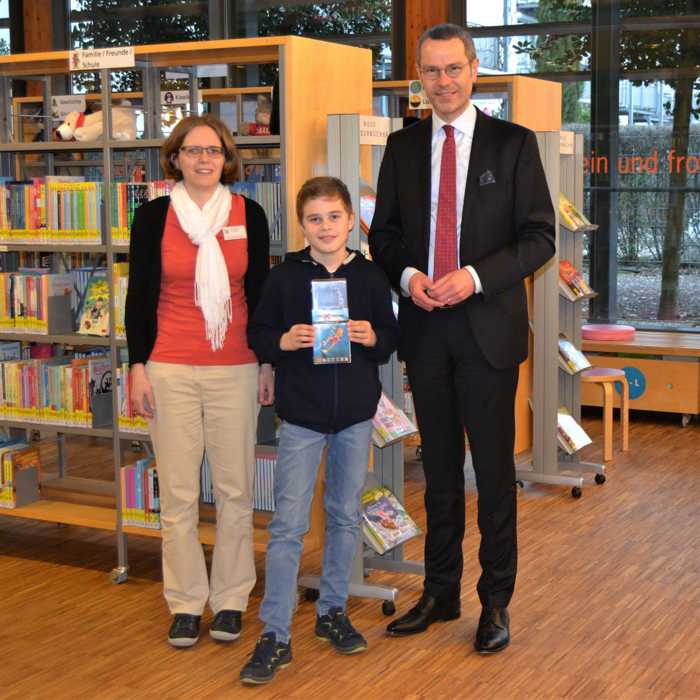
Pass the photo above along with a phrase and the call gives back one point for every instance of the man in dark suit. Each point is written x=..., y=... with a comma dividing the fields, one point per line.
x=463, y=216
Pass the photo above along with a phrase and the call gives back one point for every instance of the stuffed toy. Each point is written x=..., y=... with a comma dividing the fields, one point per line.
x=88, y=127
x=261, y=126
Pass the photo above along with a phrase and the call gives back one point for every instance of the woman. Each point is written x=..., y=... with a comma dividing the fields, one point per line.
x=198, y=260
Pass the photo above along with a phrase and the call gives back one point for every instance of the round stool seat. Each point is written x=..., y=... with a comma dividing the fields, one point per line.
x=602, y=374
x=607, y=331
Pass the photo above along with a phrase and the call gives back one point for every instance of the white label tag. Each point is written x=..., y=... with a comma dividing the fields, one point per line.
x=234, y=233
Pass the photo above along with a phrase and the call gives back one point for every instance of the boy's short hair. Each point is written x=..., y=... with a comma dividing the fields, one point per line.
x=323, y=187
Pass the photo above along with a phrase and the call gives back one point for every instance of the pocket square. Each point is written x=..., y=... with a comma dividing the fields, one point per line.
x=486, y=178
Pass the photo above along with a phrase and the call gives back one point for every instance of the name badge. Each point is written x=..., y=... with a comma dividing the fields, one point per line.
x=234, y=233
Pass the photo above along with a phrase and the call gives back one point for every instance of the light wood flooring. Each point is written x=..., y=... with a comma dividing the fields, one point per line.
x=607, y=603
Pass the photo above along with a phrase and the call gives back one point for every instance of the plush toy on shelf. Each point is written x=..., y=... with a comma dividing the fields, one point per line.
x=261, y=126
x=88, y=127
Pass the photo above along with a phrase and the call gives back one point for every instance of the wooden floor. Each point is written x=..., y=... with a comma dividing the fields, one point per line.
x=607, y=604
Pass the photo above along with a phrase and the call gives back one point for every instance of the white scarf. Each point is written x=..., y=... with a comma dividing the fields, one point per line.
x=212, y=290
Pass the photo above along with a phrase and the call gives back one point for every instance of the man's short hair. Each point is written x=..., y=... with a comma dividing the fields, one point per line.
x=323, y=187
x=443, y=32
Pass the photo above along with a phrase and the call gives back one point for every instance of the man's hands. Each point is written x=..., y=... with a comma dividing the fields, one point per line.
x=449, y=290
x=142, y=400
x=301, y=335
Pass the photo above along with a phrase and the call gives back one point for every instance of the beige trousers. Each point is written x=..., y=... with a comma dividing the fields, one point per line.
x=200, y=408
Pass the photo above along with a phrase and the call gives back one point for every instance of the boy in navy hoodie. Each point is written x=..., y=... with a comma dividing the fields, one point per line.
x=320, y=405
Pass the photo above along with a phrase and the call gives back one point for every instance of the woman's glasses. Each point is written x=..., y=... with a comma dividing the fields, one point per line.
x=197, y=151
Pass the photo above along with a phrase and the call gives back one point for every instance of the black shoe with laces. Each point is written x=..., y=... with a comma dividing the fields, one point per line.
x=269, y=655
x=184, y=631
x=336, y=628
x=226, y=626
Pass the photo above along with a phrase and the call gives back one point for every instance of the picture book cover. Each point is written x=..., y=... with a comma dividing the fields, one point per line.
x=385, y=522
x=94, y=315
x=571, y=216
x=329, y=315
x=331, y=343
x=390, y=423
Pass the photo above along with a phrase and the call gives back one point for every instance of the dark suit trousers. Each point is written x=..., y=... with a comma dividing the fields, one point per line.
x=455, y=388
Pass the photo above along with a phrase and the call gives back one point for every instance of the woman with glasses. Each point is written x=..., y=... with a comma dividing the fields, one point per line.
x=198, y=259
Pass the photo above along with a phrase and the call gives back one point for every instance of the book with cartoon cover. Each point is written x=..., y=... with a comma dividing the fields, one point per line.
x=385, y=522
x=94, y=315
x=329, y=315
x=571, y=216
x=390, y=423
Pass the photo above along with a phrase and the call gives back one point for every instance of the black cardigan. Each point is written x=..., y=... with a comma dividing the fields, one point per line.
x=145, y=271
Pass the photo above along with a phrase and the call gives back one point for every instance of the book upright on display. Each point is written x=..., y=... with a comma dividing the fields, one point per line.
x=94, y=315
x=385, y=522
x=572, y=283
x=571, y=359
x=572, y=218
x=390, y=423
x=570, y=435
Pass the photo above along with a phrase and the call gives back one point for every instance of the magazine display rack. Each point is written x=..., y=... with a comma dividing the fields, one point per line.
x=352, y=159
x=555, y=315
x=345, y=85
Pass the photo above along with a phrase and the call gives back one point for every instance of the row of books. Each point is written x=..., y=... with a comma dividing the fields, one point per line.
x=264, y=485
x=269, y=196
x=57, y=390
x=127, y=197
x=53, y=209
x=20, y=466
x=140, y=494
x=24, y=299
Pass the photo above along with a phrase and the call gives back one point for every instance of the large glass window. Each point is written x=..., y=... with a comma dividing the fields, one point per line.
x=4, y=26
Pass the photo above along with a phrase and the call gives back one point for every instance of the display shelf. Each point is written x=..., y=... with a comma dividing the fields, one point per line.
x=68, y=339
x=53, y=247
x=66, y=513
x=56, y=428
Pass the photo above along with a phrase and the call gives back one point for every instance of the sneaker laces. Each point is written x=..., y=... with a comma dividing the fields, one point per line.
x=264, y=649
x=341, y=625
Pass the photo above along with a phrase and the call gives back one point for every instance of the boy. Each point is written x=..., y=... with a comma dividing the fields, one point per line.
x=319, y=404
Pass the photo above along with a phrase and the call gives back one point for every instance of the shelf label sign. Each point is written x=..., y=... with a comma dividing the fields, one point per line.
x=63, y=105
x=374, y=131
x=95, y=59
x=416, y=96
x=636, y=381
x=174, y=97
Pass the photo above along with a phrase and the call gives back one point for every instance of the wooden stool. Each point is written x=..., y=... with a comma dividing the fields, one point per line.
x=606, y=377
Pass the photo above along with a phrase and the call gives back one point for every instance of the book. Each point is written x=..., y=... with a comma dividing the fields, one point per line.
x=385, y=522
x=572, y=284
x=94, y=313
x=20, y=466
x=570, y=435
x=390, y=423
x=329, y=315
x=571, y=216
x=571, y=359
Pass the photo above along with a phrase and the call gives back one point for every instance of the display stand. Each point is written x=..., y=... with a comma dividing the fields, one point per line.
x=553, y=314
x=348, y=152
x=304, y=104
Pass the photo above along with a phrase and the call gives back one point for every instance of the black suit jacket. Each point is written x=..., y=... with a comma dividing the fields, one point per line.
x=507, y=228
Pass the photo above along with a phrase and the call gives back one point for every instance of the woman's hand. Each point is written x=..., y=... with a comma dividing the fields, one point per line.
x=300, y=335
x=266, y=385
x=362, y=332
x=142, y=400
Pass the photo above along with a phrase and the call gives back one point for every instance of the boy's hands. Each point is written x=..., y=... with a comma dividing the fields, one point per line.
x=362, y=332
x=300, y=335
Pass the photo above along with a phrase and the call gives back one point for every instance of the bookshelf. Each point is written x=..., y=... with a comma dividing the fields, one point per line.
x=307, y=95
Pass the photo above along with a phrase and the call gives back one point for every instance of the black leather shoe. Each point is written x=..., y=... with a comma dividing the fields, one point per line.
x=426, y=611
x=184, y=631
x=493, y=632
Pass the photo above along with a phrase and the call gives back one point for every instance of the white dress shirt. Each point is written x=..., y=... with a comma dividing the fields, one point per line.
x=464, y=135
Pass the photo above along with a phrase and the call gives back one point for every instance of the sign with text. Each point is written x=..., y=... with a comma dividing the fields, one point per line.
x=416, y=96
x=63, y=105
x=96, y=59
x=174, y=97
x=374, y=131
x=566, y=143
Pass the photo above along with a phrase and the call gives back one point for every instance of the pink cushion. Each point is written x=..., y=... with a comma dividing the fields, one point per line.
x=607, y=331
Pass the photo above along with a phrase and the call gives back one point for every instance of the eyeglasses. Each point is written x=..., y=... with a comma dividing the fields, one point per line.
x=197, y=151
x=452, y=71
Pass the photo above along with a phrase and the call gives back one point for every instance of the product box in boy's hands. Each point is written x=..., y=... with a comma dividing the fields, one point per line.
x=330, y=315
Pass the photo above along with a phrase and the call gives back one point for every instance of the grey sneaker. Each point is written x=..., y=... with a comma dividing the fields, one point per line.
x=226, y=626
x=336, y=628
x=269, y=655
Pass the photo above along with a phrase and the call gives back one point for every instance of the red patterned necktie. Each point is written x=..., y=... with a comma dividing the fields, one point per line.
x=445, y=257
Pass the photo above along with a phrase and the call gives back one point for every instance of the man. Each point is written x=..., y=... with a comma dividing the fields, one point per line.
x=463, y=215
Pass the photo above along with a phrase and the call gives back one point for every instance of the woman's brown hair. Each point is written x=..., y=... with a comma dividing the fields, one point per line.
x=171, y=148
